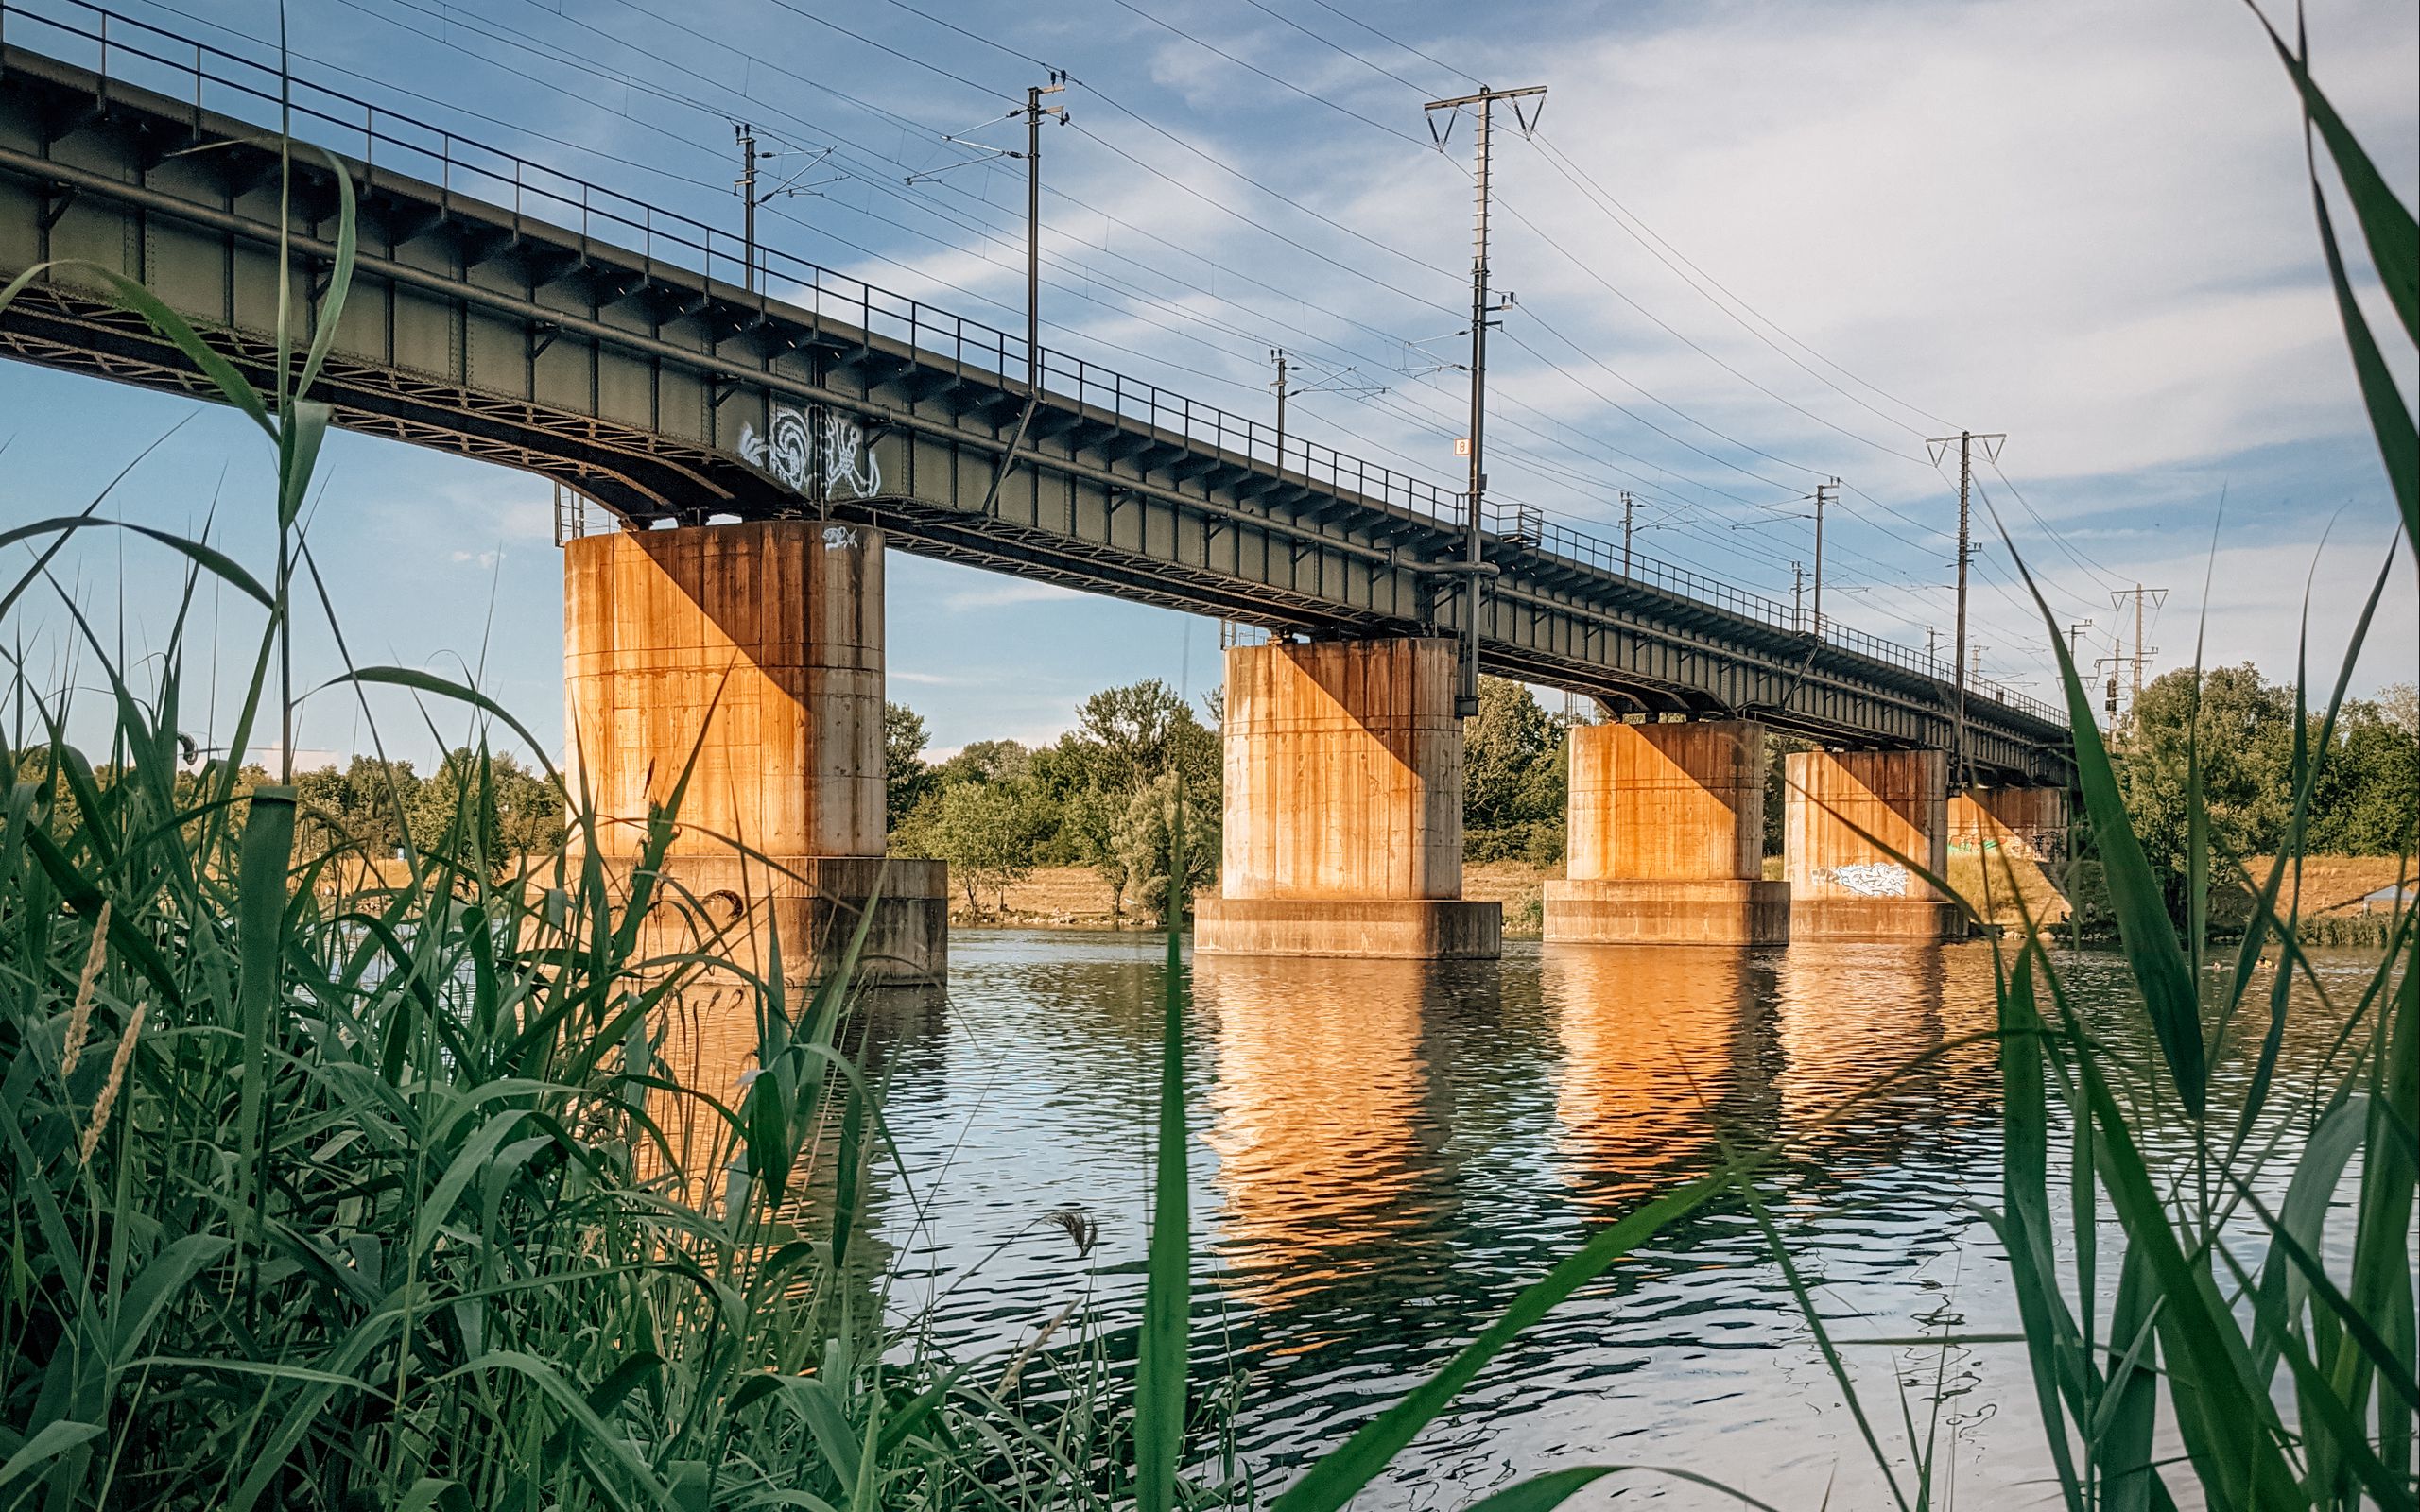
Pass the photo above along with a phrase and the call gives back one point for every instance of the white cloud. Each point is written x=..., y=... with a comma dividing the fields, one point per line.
x=999, y=592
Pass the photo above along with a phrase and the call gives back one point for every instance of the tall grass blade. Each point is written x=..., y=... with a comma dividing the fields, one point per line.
x=2393, y=234
x=1159, y=1398
x=2169, y=994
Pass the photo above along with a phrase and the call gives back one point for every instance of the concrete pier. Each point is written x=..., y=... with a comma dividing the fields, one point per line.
x=751, y=655
x=2006, y=844
x=1343, y=822
x=2027, y=823
x=1844, y=886
x=1667, y=838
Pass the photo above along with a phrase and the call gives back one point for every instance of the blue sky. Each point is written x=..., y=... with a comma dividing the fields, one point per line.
x=1754, y=245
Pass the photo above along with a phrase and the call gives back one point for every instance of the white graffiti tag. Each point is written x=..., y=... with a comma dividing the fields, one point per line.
x=1869, y=879
x=788, y=453
x=843, y=440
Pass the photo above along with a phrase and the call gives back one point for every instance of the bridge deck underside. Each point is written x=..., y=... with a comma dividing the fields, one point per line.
x=504, y=338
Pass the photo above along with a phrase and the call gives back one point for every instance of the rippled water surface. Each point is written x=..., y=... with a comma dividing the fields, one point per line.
x=1386, y=1152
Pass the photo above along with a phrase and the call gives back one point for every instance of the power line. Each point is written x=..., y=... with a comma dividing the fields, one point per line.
x=1255, y=68
x=1190, y=316
x=1647, y=236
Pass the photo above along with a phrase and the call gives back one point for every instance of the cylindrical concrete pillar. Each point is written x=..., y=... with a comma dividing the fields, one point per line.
x=1666, y=802
x=1343, y=771
x=1344, y=817
x=1666, y=838
x=1844, y=886
x=2030, y=823
x=748, y=659
x=746, y=656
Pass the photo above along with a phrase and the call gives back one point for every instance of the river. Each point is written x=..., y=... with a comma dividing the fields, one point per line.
x=1385, y=1152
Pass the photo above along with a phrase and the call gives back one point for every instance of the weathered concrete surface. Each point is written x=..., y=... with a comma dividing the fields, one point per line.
x=1439, y=929
x=1343, y=823
x=751, y=655
x=2010, y=843
x=1667, y=838
x=1844, y=886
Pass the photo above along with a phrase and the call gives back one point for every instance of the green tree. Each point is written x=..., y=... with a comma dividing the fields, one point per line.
x=2245, y=745
x=458, y=793
x=529, y=808
x=2366, y=800
x=1126, y=742
x=1126, y=737
x=987, y=832
x=1513, y=776
x=1143, y=838
x=985, y=761
x=905, y=775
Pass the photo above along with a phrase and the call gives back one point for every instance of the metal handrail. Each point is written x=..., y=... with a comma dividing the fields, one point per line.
x=383, y=139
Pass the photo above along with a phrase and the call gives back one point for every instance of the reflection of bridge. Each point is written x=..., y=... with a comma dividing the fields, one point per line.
x=510, y=312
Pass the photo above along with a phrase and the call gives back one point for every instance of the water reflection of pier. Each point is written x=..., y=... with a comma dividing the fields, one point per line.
x=1331, y=1149
x=1888, y=1026
x=1664, y=1047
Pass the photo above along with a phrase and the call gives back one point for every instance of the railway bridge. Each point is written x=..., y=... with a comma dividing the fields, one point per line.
x=764, y=430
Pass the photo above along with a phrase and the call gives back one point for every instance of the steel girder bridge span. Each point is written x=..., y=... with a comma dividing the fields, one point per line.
x=510, y=312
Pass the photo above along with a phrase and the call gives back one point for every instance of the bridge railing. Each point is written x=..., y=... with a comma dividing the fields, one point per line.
x=121, y=49
x=1528, y=528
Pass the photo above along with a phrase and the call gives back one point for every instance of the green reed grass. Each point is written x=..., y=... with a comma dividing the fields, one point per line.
x=324, y=1192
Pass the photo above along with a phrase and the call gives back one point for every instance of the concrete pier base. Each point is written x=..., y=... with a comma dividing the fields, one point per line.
x=1434, y=929
x=1343, y=822
x=742, y=667
x=1844, y=887
x=1720, y=911
x=1666, y=838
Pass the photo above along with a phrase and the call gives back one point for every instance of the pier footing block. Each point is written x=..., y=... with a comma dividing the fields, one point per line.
x=1883, y=920
x=1436, y=929
x=1716, y=911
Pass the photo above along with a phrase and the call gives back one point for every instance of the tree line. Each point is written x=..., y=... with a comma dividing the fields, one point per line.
x=2229, y=734
x=1102, y=795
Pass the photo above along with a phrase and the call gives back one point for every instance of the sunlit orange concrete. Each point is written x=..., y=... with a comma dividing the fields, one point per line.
x=1343, y=822
x=1845, y=887
x=2016, y=841
x=1667, y=838
x=2024, y=823
x=742, y=664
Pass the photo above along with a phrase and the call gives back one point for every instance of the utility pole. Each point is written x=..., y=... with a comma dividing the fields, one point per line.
x=1467, y=703
x=1626, y=507
x=1797, y=597
x=1033, y=111
x=1277, y=354
x=746, y=186
x=2075, y=637
x=1965, y=439
x=2141, y=653
x=1825, y=493
x=1295, y=379
x=1932, y=645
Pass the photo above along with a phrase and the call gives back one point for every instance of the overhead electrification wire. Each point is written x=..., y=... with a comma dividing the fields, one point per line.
x=1123, y=289
x=1339, y=46
x=1639, y=230
x=1665, y=326
x=1313, y=96
x=1393, y=41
